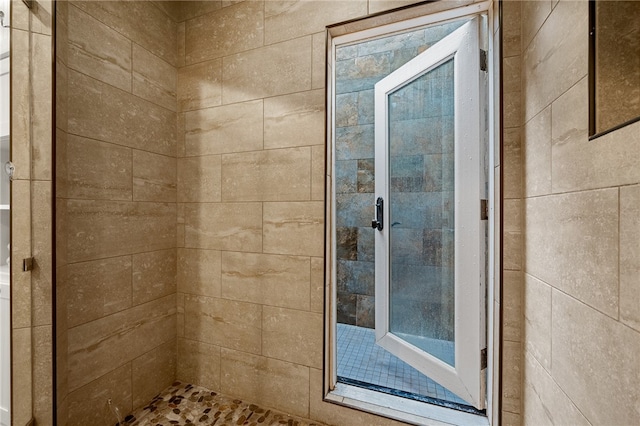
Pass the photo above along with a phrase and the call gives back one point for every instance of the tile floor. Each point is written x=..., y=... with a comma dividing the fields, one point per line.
x=360, y=359
x=185, y=404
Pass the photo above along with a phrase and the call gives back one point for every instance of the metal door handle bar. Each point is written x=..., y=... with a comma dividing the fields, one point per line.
x=377, y=223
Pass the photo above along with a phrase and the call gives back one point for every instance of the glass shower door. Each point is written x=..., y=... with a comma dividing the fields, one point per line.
x=429, y=252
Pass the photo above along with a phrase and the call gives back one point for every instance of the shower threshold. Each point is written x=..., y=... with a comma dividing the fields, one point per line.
x=364, y=364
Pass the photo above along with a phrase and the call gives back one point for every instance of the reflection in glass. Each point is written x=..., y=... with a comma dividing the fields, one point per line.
x=421, y=196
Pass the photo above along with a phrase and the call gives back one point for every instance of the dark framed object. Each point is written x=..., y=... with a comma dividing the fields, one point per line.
x=614, y=65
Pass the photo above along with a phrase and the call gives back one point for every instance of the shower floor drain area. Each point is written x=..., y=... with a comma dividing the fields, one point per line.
x=185, y=404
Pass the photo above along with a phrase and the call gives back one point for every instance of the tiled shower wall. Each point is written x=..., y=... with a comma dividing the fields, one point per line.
x=512, y=217
x=250, y=197
x=248, y=136
x=251, y=201
x=31, y=47
x=581, y=231
x=116, y=205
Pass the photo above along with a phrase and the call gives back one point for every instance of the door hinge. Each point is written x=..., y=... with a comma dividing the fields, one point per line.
x=483, y=359
x=483, y=60
x=484, y=209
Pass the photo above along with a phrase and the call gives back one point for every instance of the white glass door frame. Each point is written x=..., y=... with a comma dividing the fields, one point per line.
x=465, y=378
x=346, y=395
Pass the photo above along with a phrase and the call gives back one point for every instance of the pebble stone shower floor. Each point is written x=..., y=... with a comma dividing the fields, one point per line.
x=186, y=404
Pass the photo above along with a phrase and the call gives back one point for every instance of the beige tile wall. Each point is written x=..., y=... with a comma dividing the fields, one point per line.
x=116, y=199
x=251, y=186
x=580, y=213
x=31, y=153
x=512, y=216
x=249, y=182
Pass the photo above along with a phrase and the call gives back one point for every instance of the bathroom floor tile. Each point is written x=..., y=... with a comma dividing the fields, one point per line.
x=186, y=404
x=360, y=359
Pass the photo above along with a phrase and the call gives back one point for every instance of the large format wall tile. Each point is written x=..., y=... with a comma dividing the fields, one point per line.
x=294, y=120
x=589, y=362
x=42, y=373
x=199, y=363
x=41, y=109
x=98, y=51
x=153, y=78
x=20, y=105
x=179, y=315
x=41, y=247
x=200, y=85
x=224, y=226
x=546, y=402
x=265, y=381
x=97, y=170
x=284, y=20
x=154, y=177
x=511, y=33
x=106, y=228
x=193, y=9
x=579, y=163
x=572, y=244
x=512, y=164
x=318, y=61
x=295, y=228
x=318, y=167
x=559, y=45
x=536, y=146
x=317, y=284
x=512, y=246
x=20, y=249
x=266, y=279
x=230, y=30
x=141, y=21
x=153, y=371
x=199, y=179
x=22, y=375
x=511, y=376
x=87, y=405
x=376, y=6
x=272, y=175
x=98, y=288
x=534, y=14
x=199, y=272
x=284, y=68
x=98, y=347
x=513, y=306
x=173, y=9
x=537, y=324
x=154, y=275
x=630, y=256
x=227, y=323
x=61, y=100
x=229, y=128
x=292, y=335
x=102, y=112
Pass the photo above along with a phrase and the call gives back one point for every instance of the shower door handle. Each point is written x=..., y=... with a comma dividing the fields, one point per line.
x=377, y=222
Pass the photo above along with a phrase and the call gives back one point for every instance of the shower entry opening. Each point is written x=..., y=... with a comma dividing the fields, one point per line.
x=409, y=135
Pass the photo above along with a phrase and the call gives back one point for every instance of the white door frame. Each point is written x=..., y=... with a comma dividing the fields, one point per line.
x=464, y=379
x=406, y=410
